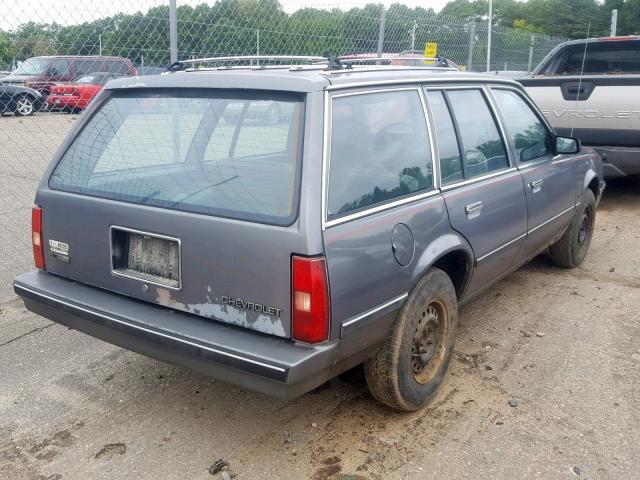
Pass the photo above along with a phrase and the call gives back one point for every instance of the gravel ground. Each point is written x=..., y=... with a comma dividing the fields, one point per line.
x=545, y=382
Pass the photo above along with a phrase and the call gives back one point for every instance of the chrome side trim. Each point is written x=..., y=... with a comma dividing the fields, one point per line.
x=367, y=92
x=435, y=146
x=435, y=170
x=554, y=218
x=326, y=145
x=380, y=208
x=148, y=330
x=424, y=79
x=487, y=255
x=520, y=237
x=463, y=183
x=374, y=310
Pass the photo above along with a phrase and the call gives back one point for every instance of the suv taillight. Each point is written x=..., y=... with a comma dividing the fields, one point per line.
x=309, y=299
x=36, y=237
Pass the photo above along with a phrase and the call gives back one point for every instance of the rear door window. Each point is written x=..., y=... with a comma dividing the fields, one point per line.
x=380, y=150
x=180, y=151
x=448, y=147
x=84, y=66
x=59, y=67
x=484, y=151
x=116, y=66
x=530, y=137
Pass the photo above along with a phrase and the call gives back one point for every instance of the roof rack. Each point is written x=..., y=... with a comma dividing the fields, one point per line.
x=297, y=62
x=180, y=65
x=361, y=59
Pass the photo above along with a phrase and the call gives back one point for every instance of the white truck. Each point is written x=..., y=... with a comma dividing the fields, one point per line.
x=590, y=89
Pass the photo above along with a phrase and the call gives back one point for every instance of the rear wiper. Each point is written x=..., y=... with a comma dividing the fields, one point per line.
x=151, y=195
x=178, y=202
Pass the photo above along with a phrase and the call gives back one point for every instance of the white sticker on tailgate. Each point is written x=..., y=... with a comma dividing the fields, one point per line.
x=59, y=250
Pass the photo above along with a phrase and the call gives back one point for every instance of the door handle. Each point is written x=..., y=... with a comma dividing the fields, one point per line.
x=536, y=185
x=473, y=208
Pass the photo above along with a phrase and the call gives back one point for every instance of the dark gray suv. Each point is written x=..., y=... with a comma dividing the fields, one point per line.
x=274, y=227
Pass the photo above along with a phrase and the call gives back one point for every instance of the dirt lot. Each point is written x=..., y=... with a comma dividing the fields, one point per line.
x=545, y=382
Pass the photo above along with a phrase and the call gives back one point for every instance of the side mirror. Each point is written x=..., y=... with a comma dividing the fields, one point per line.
x=567, y=145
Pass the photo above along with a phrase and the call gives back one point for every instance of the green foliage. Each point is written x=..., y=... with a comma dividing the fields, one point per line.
x=248, y=26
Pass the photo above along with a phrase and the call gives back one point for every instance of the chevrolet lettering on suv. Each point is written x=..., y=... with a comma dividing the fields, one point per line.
x=273, y=226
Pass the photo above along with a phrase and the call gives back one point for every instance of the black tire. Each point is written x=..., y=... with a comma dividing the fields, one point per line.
x=25, y=106
x=407, y=371
x=571, y=249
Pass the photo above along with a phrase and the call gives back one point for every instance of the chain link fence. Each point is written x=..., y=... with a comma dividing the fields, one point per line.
x=238, y=27
x=136, y=34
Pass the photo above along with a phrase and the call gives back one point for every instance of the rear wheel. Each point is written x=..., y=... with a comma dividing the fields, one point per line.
x=408, y=369
x=571, y=249
x=24, y=106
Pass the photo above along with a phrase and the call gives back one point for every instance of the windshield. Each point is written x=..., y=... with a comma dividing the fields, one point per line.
x=33, y=66
x=219, y=154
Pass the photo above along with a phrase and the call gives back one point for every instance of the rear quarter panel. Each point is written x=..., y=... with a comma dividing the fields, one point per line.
x=363, y=271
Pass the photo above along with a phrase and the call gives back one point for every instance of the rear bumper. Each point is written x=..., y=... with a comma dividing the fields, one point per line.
x=251, y=360
x=619, y=161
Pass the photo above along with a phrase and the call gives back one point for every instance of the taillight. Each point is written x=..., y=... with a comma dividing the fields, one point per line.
x=309, y=299
x=36, y=237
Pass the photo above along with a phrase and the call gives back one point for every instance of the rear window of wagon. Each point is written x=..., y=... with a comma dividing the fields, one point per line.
x=224, y=153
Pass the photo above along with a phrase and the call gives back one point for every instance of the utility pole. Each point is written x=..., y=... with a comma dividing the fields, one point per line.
x=531, y=43
x=413, y=36
x=383, y=21
x=614, y=22
x=100, y=44
x=173, y=31
x=489, y=35
x=472, y=43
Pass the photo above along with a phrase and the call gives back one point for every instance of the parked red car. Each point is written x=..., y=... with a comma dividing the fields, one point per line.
x=76, y=95
x=41, y=73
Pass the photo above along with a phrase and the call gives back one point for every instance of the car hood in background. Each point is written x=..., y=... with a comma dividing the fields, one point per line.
x=20, y=79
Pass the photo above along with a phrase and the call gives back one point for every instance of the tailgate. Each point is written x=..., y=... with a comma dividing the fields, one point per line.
x=222, y=269
x=597, y=108
x=187, y=200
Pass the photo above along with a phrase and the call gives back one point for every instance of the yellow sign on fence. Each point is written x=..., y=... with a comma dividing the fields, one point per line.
x=430, y=51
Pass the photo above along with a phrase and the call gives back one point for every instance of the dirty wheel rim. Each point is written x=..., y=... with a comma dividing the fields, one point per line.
x=25, y=106
x=429, y=341
x=584, y=231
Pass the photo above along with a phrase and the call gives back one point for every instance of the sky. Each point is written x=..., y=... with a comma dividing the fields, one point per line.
x=68, y=12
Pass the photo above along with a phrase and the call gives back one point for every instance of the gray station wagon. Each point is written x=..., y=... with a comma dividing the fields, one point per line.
x=275, y=226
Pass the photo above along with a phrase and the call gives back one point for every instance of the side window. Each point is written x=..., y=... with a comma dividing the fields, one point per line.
x=379, y=150
x=529, y=135
x=86, y=66
x=116, y=66
x=59, y=67
x=448, y=148
x=484, y=150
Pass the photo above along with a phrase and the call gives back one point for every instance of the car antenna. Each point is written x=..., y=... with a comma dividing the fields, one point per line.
x=584, y=57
